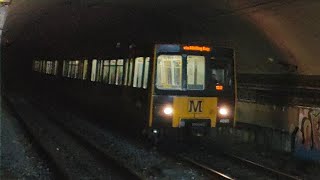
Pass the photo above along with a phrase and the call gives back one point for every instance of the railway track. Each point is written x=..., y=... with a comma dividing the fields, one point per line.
x=216, y=174
x=279, y=174
x=257, y=168
x=200, y=164
x=57, y=172
x=72, y=156
x=223, y=165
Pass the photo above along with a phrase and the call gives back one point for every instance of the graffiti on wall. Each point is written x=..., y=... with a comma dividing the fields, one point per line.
x=308, y=135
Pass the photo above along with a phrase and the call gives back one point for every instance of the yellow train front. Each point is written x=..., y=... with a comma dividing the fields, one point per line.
x=193, y=89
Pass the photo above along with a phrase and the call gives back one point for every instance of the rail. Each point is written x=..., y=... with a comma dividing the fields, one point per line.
x=215, y=173
x=257, y=165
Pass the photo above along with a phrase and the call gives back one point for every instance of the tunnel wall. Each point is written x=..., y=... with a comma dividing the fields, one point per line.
x=294, y=129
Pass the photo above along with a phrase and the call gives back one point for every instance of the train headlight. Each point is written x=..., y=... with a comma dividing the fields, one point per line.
x=168, y=110
x=223, y=111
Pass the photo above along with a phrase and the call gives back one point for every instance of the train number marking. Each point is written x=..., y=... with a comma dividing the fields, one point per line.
x=195, y=106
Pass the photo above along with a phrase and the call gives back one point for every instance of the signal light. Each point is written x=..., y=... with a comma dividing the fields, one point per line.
x=219, y=87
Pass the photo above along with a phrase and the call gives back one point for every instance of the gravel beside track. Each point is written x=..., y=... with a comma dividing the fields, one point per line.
x=19, y=155
x=73, y=159
x=148, y=163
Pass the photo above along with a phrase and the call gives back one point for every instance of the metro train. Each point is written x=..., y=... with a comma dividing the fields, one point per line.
x=164, y=89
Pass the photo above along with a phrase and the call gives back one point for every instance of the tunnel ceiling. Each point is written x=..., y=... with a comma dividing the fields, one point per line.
x=268, y=35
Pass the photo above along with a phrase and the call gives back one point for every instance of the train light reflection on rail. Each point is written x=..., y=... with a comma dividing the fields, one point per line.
x=196, y=48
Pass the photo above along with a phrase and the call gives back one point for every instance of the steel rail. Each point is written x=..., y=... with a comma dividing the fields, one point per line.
x=214, y=172
x=274, y=171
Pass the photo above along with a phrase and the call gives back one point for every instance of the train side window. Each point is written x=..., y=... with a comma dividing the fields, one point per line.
x=72, y=69
x=80, y=69
x=146, y=72
x=112, y=75
x=76, y=69
x=195, y=72
x=126, y=72
x=130, y=72
x=44, y=66
x=64, y=68
x=52, y=67
x=138, y=70
x=55, y=67
x=38, y=66
x=85, y=70
x=41, y=66
x=105, y=71
x=98, y=73
x=69, y=69
x=97, y=70
x=101, y=71
x=48, y=67
x=72, y=74
x=169, y=72
x=119, y=72
x=93, y=70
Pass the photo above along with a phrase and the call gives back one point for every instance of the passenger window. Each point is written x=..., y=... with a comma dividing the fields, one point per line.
x=146, y=72
x=72, y=69
x=105, y=71
x=64, y=69
x=55, y=67
x=76, y=69
x=119, y=72
x=98, y=73
x=85, y=70
x=80, y=69
x=126, y=72
x=50, y=67
x=130, y=72
x=43, y=66
x=47, y=67
x=101, y=71
x=112, y=72
x=93, y=70
x=138, y=70
x=195, y=72
x=41, y=62
x=69, y=69
x=169, y=72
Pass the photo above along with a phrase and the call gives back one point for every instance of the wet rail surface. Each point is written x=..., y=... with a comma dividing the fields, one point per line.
x=106, y=163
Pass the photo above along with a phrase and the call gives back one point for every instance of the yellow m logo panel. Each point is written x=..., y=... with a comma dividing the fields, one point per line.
x=194, y=108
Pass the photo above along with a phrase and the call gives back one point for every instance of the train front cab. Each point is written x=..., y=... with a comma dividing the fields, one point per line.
x=193, y=90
